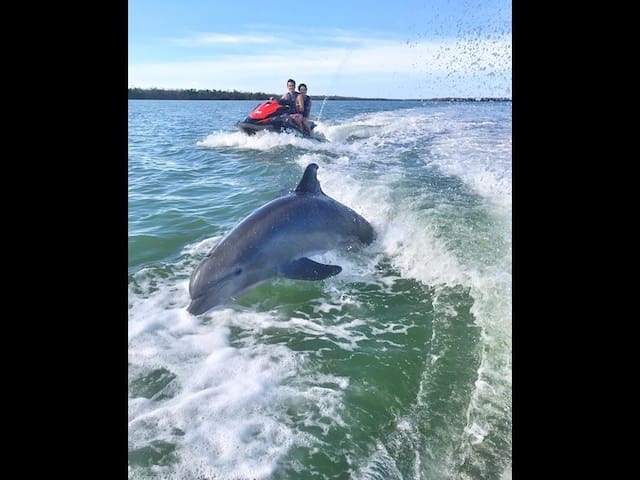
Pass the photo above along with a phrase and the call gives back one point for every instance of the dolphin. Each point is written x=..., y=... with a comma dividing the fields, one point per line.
x=275, y=241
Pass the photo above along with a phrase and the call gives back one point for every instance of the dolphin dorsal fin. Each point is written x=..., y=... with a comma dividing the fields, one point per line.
x=309, y=182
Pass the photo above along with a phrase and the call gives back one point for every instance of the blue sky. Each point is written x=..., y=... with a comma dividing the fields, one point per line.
x=389, y=49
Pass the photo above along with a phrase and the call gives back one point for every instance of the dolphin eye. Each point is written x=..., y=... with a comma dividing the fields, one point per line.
x=238, y=271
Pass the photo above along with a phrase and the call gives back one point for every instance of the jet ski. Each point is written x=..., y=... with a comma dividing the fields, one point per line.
x=272, y=115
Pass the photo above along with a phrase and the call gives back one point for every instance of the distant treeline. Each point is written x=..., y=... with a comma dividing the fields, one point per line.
x=468, y=99
x=193, y=94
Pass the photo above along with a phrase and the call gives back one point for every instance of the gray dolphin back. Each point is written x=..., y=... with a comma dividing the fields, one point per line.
x=275, y=240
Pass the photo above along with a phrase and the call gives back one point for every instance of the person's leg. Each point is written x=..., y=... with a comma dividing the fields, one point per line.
x=297, y=118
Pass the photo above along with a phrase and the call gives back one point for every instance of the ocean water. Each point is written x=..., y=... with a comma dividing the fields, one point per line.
x=397, y=368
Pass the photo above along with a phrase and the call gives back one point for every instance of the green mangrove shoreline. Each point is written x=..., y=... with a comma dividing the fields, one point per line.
x=193, y=94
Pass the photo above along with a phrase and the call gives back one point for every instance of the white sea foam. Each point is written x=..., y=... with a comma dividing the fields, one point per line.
x=227, y=412
x=233, y=393
x=263, y=140
x=408, y=235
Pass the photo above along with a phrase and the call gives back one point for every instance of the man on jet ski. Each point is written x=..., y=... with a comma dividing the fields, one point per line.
x=291, y=95
x=289, y=99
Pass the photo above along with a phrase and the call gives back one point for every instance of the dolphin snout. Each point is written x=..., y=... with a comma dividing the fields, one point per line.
x=198, y=305
x=207, y=293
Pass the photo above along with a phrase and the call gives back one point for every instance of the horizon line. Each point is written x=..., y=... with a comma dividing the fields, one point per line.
x=277, y=95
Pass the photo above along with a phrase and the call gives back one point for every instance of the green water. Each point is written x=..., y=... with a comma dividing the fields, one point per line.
x=397, y=368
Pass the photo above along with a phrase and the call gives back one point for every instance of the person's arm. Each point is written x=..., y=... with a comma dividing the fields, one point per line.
x=299, y=103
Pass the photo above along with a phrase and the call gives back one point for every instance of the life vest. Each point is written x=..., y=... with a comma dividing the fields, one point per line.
x=307, y=106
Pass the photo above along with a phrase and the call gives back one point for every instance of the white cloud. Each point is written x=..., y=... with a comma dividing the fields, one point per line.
x=203, y=39
x=321, y=65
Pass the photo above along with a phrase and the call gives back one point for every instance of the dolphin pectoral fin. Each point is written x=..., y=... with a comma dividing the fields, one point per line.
x=306, y=269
